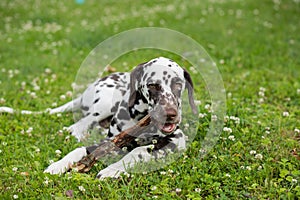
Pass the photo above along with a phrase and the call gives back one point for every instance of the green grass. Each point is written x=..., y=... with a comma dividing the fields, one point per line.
x=256, y=46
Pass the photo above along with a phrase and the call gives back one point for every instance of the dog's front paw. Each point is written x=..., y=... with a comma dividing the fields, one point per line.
x=58, y=167
x=109, y=172
x=78, y=130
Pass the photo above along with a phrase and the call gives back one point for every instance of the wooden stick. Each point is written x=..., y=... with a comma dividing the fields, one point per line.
x=114, y=146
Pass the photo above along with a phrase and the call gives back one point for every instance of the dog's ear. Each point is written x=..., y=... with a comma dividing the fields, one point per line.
x=135, y=77
x=190, y=87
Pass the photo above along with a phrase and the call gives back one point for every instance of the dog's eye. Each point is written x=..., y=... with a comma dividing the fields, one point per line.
x=176, y=88
x=153, y=86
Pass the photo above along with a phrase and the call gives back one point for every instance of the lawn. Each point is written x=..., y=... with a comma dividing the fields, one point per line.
x=255, y=46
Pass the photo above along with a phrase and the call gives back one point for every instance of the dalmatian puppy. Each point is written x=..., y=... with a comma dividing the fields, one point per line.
x=122, y=99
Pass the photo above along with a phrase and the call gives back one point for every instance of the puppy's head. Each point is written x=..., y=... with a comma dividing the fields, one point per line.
x=162, y=82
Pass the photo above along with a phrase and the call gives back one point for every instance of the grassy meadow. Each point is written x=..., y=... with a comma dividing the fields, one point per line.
x=255, y=45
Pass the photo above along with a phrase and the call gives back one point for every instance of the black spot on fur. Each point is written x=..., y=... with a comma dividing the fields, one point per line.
x=115, y=107
x=96, y=100
x=96, y=114
x=115, y=77
x=84, y=108
x=152, y=74
x=109, y=85
x=123, y=115
x=113, y=122
x=110, y=134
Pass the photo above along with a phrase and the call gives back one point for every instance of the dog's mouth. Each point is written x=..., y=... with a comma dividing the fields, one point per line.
x=167, y=128
x=165, y=119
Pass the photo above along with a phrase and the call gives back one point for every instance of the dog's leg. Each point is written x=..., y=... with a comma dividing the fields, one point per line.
x=66, y=162
x=80, y=128
x=70, y=106
x=143, y=154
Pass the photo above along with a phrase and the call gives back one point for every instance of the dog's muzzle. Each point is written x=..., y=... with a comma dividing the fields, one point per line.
x=165, y=118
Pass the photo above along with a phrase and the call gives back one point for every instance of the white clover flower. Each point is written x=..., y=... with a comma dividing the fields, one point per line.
x=54, y=104
x=231, y=137
x=202, y=115
x=294, y=181
x=155, y=197
x=124, y=149
x=242, y=167
x=0, y=151
x=15, y=196
x=214, y=118
x=29, y=130
x=202, y=151
x=248, y=168
x=33, y=95
x=15, y=169
x=170, y=171
x=81, y=188
x=262, y=89
x=36, y=87
x=62, y=97
x=151, y=146
x=37, y=150
x=297, y=130
x=163, y=173
x=261, y=100
x=51, y=161
x=259, y=168
x=207, y=106
x=2, y=100
x=259, y=156
x=46, y=182
x=48, y=71
x=154, y=188
x=58, y=152
x=252, y=152
x=75, y=169
x=186, y=125
x=285, y=114
x=69, y=93
x=227, y=129
x=261, y=93
x=298, y=91
x=197, y=189
x=154, y=141
x=228, y=175
x=178, y=190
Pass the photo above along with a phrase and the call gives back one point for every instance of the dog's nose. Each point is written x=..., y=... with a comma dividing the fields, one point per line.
x=171, y=113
